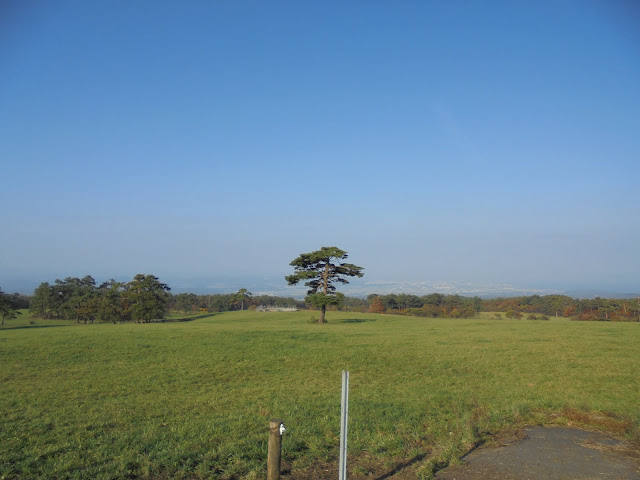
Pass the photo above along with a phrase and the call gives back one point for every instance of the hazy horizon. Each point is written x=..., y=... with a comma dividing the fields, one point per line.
x=467, y=142
x=277, y=286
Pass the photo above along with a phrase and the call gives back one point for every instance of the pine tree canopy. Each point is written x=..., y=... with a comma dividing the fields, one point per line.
x=320, y=270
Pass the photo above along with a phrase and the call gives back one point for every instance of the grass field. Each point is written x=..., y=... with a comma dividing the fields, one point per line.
x=193, y=399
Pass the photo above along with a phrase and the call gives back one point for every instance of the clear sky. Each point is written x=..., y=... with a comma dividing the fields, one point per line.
x=492, y=141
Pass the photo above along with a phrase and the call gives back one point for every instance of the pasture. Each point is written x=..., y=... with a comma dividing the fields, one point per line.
x=193, y=399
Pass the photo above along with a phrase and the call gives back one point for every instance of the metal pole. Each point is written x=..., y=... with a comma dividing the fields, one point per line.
x=344, y=423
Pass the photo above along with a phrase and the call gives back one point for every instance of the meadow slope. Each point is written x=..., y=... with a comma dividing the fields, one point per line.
x=193, y=399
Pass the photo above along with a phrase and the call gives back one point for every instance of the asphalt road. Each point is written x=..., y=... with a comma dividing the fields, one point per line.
x=550, y=453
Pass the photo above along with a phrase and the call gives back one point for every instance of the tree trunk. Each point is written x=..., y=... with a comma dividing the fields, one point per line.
x=325, y=278
x=325, y=288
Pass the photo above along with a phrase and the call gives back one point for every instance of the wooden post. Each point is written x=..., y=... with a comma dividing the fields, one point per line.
x=276, y=428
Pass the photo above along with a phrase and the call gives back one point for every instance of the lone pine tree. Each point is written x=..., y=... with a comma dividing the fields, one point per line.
x=320, y=270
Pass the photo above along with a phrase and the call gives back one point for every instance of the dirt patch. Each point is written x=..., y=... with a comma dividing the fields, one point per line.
x=551, y=453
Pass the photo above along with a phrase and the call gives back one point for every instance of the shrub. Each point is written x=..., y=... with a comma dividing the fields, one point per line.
x=376, y=306
x=464, y=312
x=425, y=311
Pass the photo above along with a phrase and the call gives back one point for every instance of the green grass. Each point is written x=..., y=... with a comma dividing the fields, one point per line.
x=193, y=399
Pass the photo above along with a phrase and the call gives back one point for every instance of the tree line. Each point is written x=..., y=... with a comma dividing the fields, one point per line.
x=141, y=300
x=10, y=305
x=145, y=298
x=224, y=302
x=432, y=305
x=453, y=306
x=594, y=309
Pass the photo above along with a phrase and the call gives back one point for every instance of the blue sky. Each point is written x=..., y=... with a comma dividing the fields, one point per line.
x=457, y=141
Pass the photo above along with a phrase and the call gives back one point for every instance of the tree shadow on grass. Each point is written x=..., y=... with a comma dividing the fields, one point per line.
x=164, y=320
x=357, y=320
x=402, y=466
x=185, y=319
x=20, y=327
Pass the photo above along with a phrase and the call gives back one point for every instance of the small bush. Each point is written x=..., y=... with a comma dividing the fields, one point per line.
x=532, y=317
x=464, y=312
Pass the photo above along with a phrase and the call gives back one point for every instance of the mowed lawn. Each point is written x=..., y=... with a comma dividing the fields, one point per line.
x=193, y=399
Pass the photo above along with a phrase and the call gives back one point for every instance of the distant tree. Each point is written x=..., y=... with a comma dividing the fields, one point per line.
x=451, y=302
x=219, y=303
x=81, y=304
x=556, y=304
x=435, y=299
x=186, y=302
x=354, y=304
x=635, y=307
x=320, y=270
x=22, y=301
x=408, y=301
x=477, y=303
x=605, y=306
x=72, y=298
x=8, y=306
x=147, y=298
x=376, y=306
x=111, y=305
x=403, y=300
x=62, y=293
x=42, y=301
x=390, y=301
x=242, y=296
